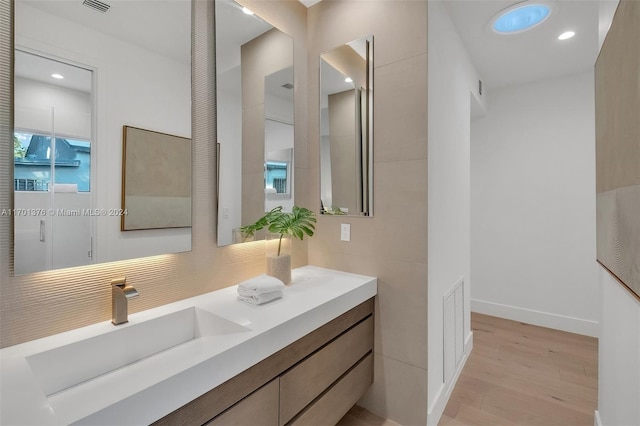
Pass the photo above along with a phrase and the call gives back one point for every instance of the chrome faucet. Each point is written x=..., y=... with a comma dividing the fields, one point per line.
x=120, y=295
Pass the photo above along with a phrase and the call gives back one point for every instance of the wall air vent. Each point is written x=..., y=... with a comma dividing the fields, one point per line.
x=287, y=86
x=96, y=5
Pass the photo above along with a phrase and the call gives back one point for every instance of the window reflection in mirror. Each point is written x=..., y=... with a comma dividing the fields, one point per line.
x=254, y=94
x=278, y=179
x=346, y=123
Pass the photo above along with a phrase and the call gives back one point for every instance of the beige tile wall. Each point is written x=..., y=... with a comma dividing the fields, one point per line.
x=393, y=244
x=342, y=109
x=42, y=304
x=617, y=91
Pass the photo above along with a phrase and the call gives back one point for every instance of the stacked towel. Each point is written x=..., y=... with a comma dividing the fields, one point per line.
x=260, y=289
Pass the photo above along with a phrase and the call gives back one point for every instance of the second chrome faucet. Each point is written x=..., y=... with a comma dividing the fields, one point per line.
x=120, y=295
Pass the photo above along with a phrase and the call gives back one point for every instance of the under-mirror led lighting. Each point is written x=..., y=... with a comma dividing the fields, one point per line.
x=58, y=76
x=566, y=35
x=247, y=11
x=348, y=80
x=519, y=18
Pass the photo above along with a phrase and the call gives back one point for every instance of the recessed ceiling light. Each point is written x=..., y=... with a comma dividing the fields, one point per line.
x=520, y=17
x=566, y=35
x=58, y=76
x=348, y=80
x=247, y=11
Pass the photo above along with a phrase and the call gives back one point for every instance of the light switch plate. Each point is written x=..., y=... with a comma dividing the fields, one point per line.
x=345, y=232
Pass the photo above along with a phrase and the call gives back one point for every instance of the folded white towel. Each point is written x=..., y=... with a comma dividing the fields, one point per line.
x=259, y=299
x=260, y=285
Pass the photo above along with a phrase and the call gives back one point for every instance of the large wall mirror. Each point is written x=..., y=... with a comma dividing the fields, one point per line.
x=346, y=129
x=83, y=70
x=254, y=92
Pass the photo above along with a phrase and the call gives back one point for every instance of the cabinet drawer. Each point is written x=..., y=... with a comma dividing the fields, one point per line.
x=258, y=409
x=307, y=380
x=335, y=403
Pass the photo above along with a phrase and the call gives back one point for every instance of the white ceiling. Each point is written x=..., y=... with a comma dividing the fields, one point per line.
x=309, y=3
x=500, y=60
x=233, y=29
x=163, y=26
x=537, y=54
x=38, y=68
x=530, y=56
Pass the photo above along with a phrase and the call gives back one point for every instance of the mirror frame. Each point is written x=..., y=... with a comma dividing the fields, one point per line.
x=364, y=126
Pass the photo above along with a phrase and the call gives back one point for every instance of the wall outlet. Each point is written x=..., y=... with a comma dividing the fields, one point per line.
x=345, y=232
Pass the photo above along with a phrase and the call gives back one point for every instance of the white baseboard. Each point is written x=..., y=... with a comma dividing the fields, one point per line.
x=542, y=319
x=444, y=393
x=468, y=345
x=597, y=421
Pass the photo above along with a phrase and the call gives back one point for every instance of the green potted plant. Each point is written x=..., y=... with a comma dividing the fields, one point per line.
x=282, y=226
x=247, y=233
x=336, y=211
x=297, y=223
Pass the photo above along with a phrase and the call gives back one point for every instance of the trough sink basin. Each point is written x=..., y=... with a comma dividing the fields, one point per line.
x=75, y=363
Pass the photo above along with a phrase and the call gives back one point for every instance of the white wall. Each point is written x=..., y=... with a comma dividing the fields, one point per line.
x=618, y=355
x=452, y=78
x=230, y=140
x=71, y=244
x=134, y=87
x=533, y=205
x=32, y=109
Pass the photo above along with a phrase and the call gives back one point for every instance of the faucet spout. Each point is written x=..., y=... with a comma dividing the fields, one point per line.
x=120, y=295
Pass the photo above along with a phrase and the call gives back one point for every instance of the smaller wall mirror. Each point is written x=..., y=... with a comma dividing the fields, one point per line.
x=346, y=129
x=255, y=133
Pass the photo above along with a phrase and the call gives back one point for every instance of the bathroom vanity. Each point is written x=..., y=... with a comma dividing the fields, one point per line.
x=314, y=380
x=303, y=359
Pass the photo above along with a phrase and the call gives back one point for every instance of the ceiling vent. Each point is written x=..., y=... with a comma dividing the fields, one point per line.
x=96, y=5
x=287, y=86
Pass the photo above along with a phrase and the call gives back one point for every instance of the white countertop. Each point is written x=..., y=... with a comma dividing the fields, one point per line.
x=143, y=392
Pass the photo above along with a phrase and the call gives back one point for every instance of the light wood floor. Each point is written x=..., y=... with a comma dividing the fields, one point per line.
x=359, y=416
x=519, y=374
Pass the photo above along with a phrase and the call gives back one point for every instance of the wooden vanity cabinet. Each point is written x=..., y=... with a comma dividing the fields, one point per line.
x=258, y=409
x=315, y=380
x=310, y=378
